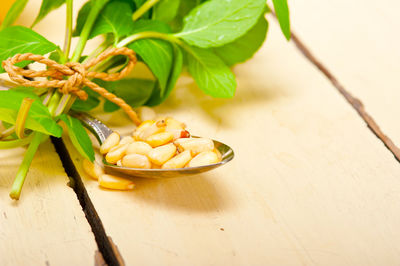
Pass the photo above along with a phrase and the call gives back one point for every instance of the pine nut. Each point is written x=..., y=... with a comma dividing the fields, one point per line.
x=150, y=130
x=139, y=147
x=116, y=147
x=179, y=161
x=126, y=139
x=111, y=141
x=181, y=140
x=178, y=133
x=145, y=124
x=195, y=145
x=94, y=170
x=116, y=154
x=141, y=128
x=174, y=124
x=178, y=143
x=159, y=139
x=162, y=154
x=204, y=158
x=136, y=161
x=115, y=182
x=218, y=153
x=146, y=113
x=161, y=123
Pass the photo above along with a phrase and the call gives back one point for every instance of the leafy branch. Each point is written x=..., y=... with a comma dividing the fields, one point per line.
x=168, y=36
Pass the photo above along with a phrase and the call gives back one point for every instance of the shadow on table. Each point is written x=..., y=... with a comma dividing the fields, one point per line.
x=198, y=193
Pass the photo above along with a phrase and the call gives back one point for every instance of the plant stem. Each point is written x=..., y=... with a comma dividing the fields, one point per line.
x=9, y=144
x=143, y=9
x=150, y=34
x=86, y=30
x=13, y=13
x=7, y=132
x=63, y=58
x=98, y=51
x=68, y=29
x=63, y=102
x=24, y=167
x=21, y=117
x=30, y=153
x=69, y=104
x=94, y=12
x=155, y=35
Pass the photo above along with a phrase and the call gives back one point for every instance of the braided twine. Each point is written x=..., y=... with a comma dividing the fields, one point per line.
x=77, y=74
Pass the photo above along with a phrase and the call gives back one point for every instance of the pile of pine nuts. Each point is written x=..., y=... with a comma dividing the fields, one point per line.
x=155, y=144
x=161, y=144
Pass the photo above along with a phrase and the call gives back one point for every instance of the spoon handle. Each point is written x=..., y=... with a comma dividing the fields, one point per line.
x=100, y=130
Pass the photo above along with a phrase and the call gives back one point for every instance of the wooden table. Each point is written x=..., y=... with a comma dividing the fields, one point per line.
x=311, y=184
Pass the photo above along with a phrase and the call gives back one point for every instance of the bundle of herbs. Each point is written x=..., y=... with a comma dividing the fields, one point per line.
x=204, y=37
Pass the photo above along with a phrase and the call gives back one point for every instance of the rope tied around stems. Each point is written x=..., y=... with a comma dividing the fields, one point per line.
x=77, y=74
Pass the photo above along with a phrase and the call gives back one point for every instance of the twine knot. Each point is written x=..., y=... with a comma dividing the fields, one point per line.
x=72, y=76
x=75, y=81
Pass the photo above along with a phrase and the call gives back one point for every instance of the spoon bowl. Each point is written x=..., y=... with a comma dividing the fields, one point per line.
x=101, y=132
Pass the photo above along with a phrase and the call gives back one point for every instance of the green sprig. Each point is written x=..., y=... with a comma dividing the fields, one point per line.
x=167, y=35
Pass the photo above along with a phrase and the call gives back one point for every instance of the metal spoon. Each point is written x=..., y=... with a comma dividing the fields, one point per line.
x=101, y=132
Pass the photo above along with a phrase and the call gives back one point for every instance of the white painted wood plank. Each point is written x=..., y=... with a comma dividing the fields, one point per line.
x=310, y=184
x=358, y=42
x=47, y=225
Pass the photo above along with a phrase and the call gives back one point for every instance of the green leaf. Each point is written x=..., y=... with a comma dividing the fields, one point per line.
x=184, y=8
x=157, y=96
x=18, y=39
x=139, y=3
x=99, y=3
x=210, y=73
x=13, y=13
x=166, y=10
x=28, y=91
x=81, y=19
x=46, y=7
x=55, y=56
x=282, y=13
x=246, y=46
x=134, y=92
x=87, y=105
x=157, y=54
x=79, y=137
x=218, y=22
x=116, y=18
x=39, y=117
x=150, y=25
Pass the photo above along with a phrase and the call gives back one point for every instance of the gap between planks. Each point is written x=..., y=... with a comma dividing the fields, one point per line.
x=353, y=101
x=107, y=249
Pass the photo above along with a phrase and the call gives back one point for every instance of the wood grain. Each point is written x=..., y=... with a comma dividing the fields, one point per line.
x=47, y=225
x=310, y=184
x=358, y=42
